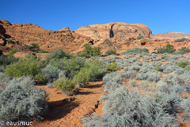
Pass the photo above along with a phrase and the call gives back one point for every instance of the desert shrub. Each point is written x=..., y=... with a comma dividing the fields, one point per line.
x=168, y=68
x=35, y=45
x=3, y=79
x=111, y=81
x=144, y=70
x=187, y=68
x=158, y=68
x=154, y=76
x=135, y=67
x=146, y=59
x=139, y=37
x=182, y=63
x=169, y=49
x=29, y=66
x=72, y=66
x=92, y=70
x=49, y=85
x=82, y=78
x=179, y=71
x=125, y=68
x=180, y=40
x=136, y=50
x=141, y=76
x=112, y=67
x=42, y=51
x=2, y=68
x=183, y=50
x=12, y=51
x=110, y=52
x=96, y=68
x=22, y=101
x=62, y=73
x=7, y=59
x=89, y=51
x=64, y=84
x=130, y=108
x=96, y=51
x=57, y=54
x=51, y=73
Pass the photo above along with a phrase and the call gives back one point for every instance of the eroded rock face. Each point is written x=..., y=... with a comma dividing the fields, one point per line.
x=47, y=40
x=117, y=31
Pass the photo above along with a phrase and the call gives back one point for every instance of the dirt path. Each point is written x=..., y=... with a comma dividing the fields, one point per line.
x=69, y=114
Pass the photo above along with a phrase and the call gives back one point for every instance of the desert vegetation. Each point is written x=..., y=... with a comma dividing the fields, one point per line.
x=148, y=92
x=180, y=40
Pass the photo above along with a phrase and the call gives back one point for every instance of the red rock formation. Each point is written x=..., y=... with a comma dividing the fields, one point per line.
x=114, y=30
x=48, y=40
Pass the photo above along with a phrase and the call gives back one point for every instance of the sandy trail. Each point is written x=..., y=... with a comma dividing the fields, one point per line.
x=69, y=114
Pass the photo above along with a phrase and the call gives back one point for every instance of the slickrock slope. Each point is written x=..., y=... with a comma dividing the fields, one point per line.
x=48, y=40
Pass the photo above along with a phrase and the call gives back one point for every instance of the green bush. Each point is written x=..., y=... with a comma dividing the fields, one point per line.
x=56, y=54
x=12, y=51
x=187, y=68
x=82, y=78
x=92, y=70
x=89, y=51
x=22, y=101
x=182, y=63
x=158, y=68
x=139, y=37
x=42, y=51
x=7, y=59
x=183, y=50
x=112, y=67
x=136, y=50
x=35, y=45
x=180, y=40
x=110, y=52
x=64, y=84
x=29, y=66
x=72, y=65
x=169, y=49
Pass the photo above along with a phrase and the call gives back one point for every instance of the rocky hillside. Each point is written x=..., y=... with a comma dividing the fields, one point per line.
x=110, y=35
x=48, y=40
x=119, y=36
x=172, y=35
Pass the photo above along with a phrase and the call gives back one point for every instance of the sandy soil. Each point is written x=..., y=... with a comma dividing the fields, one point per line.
x=69, y=114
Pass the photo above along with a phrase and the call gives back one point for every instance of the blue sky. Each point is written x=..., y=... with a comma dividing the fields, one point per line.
x=160, y=15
